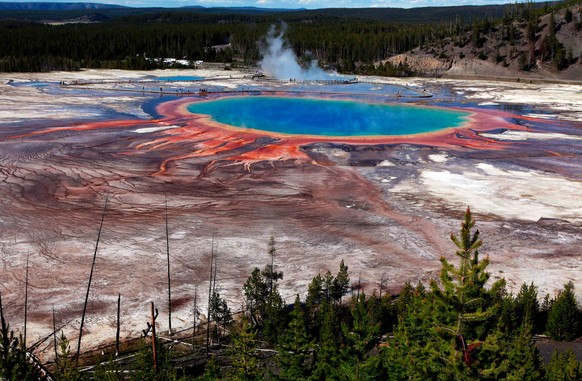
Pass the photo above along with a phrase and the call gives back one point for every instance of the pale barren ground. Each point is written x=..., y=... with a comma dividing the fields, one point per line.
x=387, y=210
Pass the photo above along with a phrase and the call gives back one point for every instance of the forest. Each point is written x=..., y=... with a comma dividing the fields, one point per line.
x=349, y=41
x=460, y=326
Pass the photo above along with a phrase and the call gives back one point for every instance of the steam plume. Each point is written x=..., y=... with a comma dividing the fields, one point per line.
x=280, y=61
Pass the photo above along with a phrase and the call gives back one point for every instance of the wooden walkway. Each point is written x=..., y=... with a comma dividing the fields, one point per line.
x=103, y=85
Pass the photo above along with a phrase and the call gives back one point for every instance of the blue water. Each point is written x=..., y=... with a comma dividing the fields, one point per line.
x=327, y=117
x=178, y=78
x=32, y=83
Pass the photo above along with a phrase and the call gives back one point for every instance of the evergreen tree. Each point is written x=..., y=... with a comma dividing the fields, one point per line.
x=545, y=308
x=313, y=302
x=568, y=16
x=328, y=353
x=404, y=299
x=256, y=292
x=507, y=317
x=328, y=286
x=212, y=371
x=418, y=350
x=144, y=367
x=325, y=290
x=341, y=283
x=108, y=371
x=274, y=317
x=525, y=363
x=463, y=287
x=271, y=276
x=13, y=362
x=564, y=367
x=527, y=306
x=220, y=313
x=293, y=352
x=244, y=359
x=382, y=312
x=264, y=302
x=361, y=337
x=564, y=317
x=65, y=363
x=442, y=333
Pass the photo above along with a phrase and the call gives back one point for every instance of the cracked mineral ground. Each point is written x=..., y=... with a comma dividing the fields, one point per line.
x=384, y=205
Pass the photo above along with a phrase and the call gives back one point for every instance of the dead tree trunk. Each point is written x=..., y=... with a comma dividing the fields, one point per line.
x=382, y=284
x=118, y=325
x=89, y=283
x=25, y=305
x=55, y=333
x=154, y=344
x=195, y=316
x=213, y=292
x=209, y=297
x=169, y=284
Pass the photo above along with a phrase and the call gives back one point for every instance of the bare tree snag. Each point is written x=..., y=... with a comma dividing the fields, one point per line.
x=89, y=284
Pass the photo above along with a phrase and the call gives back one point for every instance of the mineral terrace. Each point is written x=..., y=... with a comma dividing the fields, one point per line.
x=385, y=206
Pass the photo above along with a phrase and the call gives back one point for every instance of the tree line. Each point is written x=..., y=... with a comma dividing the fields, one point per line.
x=344, y=40
x=133, y=44
x=340, y=39
x=459, y=326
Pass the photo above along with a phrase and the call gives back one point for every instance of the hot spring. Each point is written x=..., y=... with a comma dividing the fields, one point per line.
x=179, y=78
x=325, y=117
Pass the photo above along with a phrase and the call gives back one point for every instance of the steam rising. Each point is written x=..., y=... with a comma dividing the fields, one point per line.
x=280, y=61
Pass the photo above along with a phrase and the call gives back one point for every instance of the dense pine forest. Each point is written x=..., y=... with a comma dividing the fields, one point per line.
x=461, y=326
x=346, y=40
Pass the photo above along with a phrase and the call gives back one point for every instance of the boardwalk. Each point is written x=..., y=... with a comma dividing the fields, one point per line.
x=164, y=87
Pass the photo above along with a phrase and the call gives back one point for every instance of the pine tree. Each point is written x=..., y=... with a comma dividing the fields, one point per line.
x=361, y=337
x=404, y=299
x=545, y=308
x=271, y=276
x=244, y=359
x=13, y=362
x=65, y=363
x=564, y=367
x=274, y=317
x=220, y=313
x=328, y=353
x=564, y=317
x=341, y=283
x=264, y=302
x=463, y=287
x=441, y=333
x=328, y=286
x=108, y=371
x=418, y=349
x=293, y=352
x=525, y=363
x=507, y=315
x=313, y=303
x=568, y=16
x=144, y=367
x=527, y=306
x=212, y=371
x=382, y=311
x=256, y=293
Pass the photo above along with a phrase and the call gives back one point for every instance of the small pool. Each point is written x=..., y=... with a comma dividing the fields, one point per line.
x=325, y=117
x=32, y=83
x=179, y=78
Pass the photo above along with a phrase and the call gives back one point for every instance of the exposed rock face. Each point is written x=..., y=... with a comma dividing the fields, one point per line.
x=421, y=62
x=504, y=50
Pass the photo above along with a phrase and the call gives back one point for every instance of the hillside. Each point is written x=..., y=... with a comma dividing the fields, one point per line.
x=55, y=6
x=37, y=11
x=516, y=40
x=549, y=46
